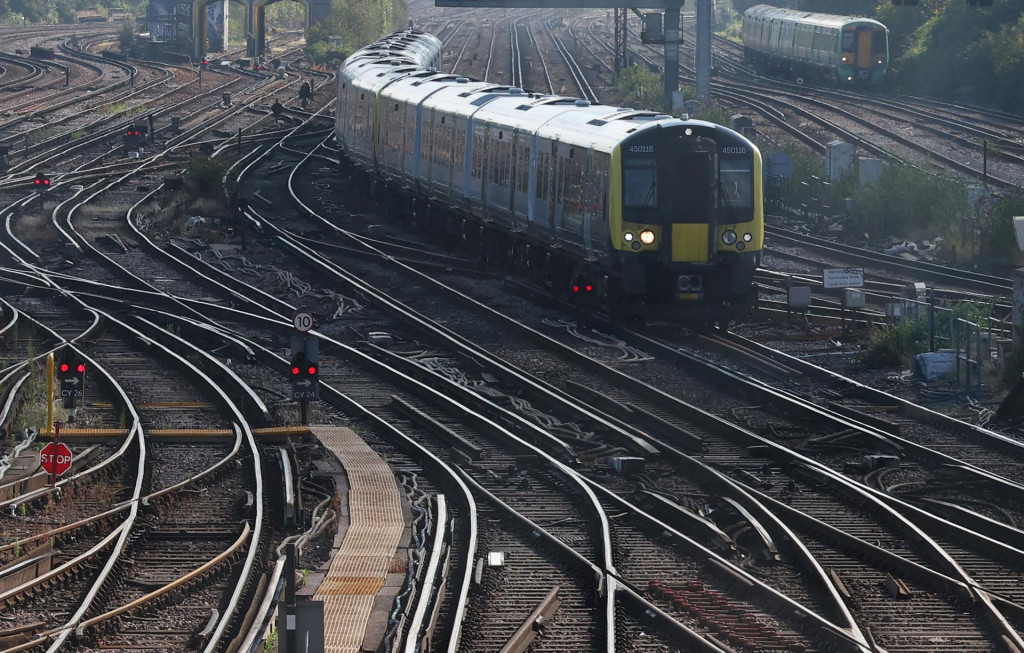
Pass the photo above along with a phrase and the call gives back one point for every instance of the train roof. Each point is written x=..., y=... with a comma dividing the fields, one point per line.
x=570, y=120
x=413, y=45
x=806, y=17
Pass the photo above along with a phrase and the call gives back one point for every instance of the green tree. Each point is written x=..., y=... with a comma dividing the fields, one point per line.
x=357, y=22
x=126, y=36
x=33, y=10
x=988, y=45
x=639, y=86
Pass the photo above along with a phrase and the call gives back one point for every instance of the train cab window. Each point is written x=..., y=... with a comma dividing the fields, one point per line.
x=878, y=42
x=736, y=189
x=640, y=182
x=848, y=40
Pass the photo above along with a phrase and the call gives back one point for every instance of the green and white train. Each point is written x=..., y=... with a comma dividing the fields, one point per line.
x=803, y=45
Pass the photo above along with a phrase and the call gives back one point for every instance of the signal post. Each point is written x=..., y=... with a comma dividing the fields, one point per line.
x=304, y=364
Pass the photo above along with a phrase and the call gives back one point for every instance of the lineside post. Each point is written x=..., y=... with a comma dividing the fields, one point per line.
x=672, y=33
x=705, y=10
x=49, y=392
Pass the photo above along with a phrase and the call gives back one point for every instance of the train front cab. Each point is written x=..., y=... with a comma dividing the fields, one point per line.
x=864, y=53
x=687, y=220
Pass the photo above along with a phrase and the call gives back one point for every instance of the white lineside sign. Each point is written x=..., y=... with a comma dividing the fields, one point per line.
x=843, y=277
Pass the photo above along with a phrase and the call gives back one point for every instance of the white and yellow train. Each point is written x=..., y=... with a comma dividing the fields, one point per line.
x=649, y=215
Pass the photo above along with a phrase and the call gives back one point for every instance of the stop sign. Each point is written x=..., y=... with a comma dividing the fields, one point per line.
x=55, y=458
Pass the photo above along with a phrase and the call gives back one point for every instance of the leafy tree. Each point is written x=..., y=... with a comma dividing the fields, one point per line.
x=126, y=36
x=357, y=22
x=639, y=86
x=286, y=15
x=33, y=10
x=988, y=43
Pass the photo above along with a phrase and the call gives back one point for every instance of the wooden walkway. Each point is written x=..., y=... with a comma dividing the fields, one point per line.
x=360, y=567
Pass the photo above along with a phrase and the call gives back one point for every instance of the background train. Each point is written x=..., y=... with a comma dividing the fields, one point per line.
x=838, y=49
x=646, y=214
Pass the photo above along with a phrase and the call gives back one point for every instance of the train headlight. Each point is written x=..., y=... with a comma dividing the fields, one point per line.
x=729, y=237
x=747, y=237
x=628, y=236
x=647, y=237
x=879, y=61
x=846, y=60
x=849, y=79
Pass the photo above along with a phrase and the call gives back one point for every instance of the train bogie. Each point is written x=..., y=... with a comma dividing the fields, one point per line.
x=637, y=211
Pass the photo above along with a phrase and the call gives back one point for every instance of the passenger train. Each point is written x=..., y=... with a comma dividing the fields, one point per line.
x=644, y=214
x=837, y=49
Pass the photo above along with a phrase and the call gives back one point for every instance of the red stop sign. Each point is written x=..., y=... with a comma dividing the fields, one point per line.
x=55, y=458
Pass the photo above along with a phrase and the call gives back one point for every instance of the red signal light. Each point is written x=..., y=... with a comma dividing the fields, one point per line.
x=81, y=368
x=64, y=367
x=39, y=181
x=312, y=370
x=575, y=288
x=589, y=288
x=296, y=371
x=46, y=182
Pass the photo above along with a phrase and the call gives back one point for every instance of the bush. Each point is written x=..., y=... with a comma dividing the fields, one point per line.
x=897, y=346
x=204, y=178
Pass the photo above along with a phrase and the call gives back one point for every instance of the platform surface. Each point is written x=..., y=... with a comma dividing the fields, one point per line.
x=360, y=568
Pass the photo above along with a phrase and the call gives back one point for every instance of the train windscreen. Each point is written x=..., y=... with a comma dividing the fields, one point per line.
x=640, y=183
x=737, y=184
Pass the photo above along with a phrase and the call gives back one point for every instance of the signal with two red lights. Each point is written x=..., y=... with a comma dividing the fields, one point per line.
x=42, y=181
x=71, y=376
x=305, y=377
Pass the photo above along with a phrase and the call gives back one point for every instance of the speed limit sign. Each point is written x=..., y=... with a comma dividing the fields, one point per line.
x=302, y=321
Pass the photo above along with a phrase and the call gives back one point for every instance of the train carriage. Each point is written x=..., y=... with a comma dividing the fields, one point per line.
x=838, y=49
x=647, y=214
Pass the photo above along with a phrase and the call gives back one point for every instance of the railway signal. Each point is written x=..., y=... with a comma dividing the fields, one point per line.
x=132, y=138
x=42, y=181
x=71, y=374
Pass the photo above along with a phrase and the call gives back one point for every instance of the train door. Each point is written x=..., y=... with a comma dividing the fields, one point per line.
x=587, y=202
x=541, y=184
x=561, y=170
x=475, y=154
x=520, y=176
x=864, y=49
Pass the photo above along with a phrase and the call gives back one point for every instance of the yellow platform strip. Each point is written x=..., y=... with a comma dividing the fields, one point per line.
x=158, y=404
x=275, y=431
x=361, y=565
